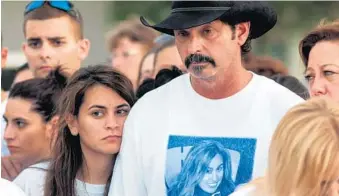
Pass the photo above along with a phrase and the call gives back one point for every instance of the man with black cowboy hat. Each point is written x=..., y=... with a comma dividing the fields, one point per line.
x=217, y=101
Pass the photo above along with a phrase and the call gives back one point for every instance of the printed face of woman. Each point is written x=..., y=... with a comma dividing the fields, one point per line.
x=213, y=175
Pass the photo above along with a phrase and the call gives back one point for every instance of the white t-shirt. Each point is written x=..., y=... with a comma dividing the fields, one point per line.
x=10, y=189
x=32, y=181
x=166, y=123
x=246, y=191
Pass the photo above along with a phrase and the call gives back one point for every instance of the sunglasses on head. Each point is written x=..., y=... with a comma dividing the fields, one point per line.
x=61, y=5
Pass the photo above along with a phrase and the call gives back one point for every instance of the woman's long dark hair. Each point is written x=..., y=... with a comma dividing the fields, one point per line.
x=67, y=157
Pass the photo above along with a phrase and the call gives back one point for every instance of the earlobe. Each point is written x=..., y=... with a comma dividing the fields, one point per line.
x=243, y=30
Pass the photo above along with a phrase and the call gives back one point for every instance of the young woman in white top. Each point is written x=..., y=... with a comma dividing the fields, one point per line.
x=304, y=154
x=31, y=121
x=93, y=109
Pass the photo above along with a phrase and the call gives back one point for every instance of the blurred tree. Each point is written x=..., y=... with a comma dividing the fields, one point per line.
x=154, y=11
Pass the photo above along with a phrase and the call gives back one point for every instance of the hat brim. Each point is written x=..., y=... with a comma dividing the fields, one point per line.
x=179, y=20
x=261, y=16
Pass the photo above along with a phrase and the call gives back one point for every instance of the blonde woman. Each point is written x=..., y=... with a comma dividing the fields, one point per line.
x=304, y=154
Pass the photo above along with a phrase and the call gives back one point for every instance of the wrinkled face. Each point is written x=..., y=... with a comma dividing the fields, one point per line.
x=25, y=132
x=213, y=175
x=51, y=43
x=100, y=121
x=211, y=47
x=322, y=71
x=168, y=57
x=126, y=58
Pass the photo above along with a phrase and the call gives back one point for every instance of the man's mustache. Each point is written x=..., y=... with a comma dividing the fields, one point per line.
x=198, y=58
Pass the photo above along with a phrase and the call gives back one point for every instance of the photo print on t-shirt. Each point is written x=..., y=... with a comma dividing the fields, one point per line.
x=212, y=166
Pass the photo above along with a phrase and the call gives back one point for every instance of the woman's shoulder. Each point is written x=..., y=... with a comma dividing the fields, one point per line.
x=245, y=191
x=10, y=189
x=31, y=180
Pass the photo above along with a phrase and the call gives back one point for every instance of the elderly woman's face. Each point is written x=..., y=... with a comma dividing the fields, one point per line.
x=322, y=71
x=213, y=175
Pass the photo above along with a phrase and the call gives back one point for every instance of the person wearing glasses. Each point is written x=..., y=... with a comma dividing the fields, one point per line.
x=54, y=37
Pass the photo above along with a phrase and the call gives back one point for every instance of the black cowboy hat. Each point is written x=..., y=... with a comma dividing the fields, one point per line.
x=188, y=14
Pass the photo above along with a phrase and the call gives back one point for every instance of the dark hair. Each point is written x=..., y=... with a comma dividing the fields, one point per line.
x=67, y=156
x=146, y=86
x=43, y=92
x=264, y=65
x=293, y=84
x=46, y=12
x=323, y=32
x=22, y=68
x=163, y=77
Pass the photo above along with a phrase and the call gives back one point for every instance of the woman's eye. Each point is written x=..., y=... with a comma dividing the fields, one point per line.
x=97, y=113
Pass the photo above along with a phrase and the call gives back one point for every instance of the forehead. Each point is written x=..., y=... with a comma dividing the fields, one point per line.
x=18, y=106
x=215, y=24
x=324, y=52
x=55, y=27
x=102, y=95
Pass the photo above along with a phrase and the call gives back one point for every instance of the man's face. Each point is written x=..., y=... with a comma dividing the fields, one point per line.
x=51, y=43
x=208, y=49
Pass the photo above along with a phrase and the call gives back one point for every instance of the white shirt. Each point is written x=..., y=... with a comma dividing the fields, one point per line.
x=10, y=189
x=246, y=191
x=32, y=181
x=163, y=126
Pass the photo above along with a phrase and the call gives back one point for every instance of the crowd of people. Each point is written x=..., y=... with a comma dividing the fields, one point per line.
x=182, y=108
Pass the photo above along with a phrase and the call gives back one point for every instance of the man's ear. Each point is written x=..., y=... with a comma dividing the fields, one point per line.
x=242, y=31
x=84, y=47
x=72, y=123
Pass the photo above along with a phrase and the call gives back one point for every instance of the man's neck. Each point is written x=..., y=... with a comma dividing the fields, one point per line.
x=96, y=168
x=223, y=85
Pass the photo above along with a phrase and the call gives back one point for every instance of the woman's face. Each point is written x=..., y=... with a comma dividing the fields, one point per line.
x=100, y=121
x=213, y=175
x=25, y=133
x=322, y=71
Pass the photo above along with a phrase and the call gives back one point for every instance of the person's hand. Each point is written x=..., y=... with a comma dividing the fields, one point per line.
x=9, y=168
